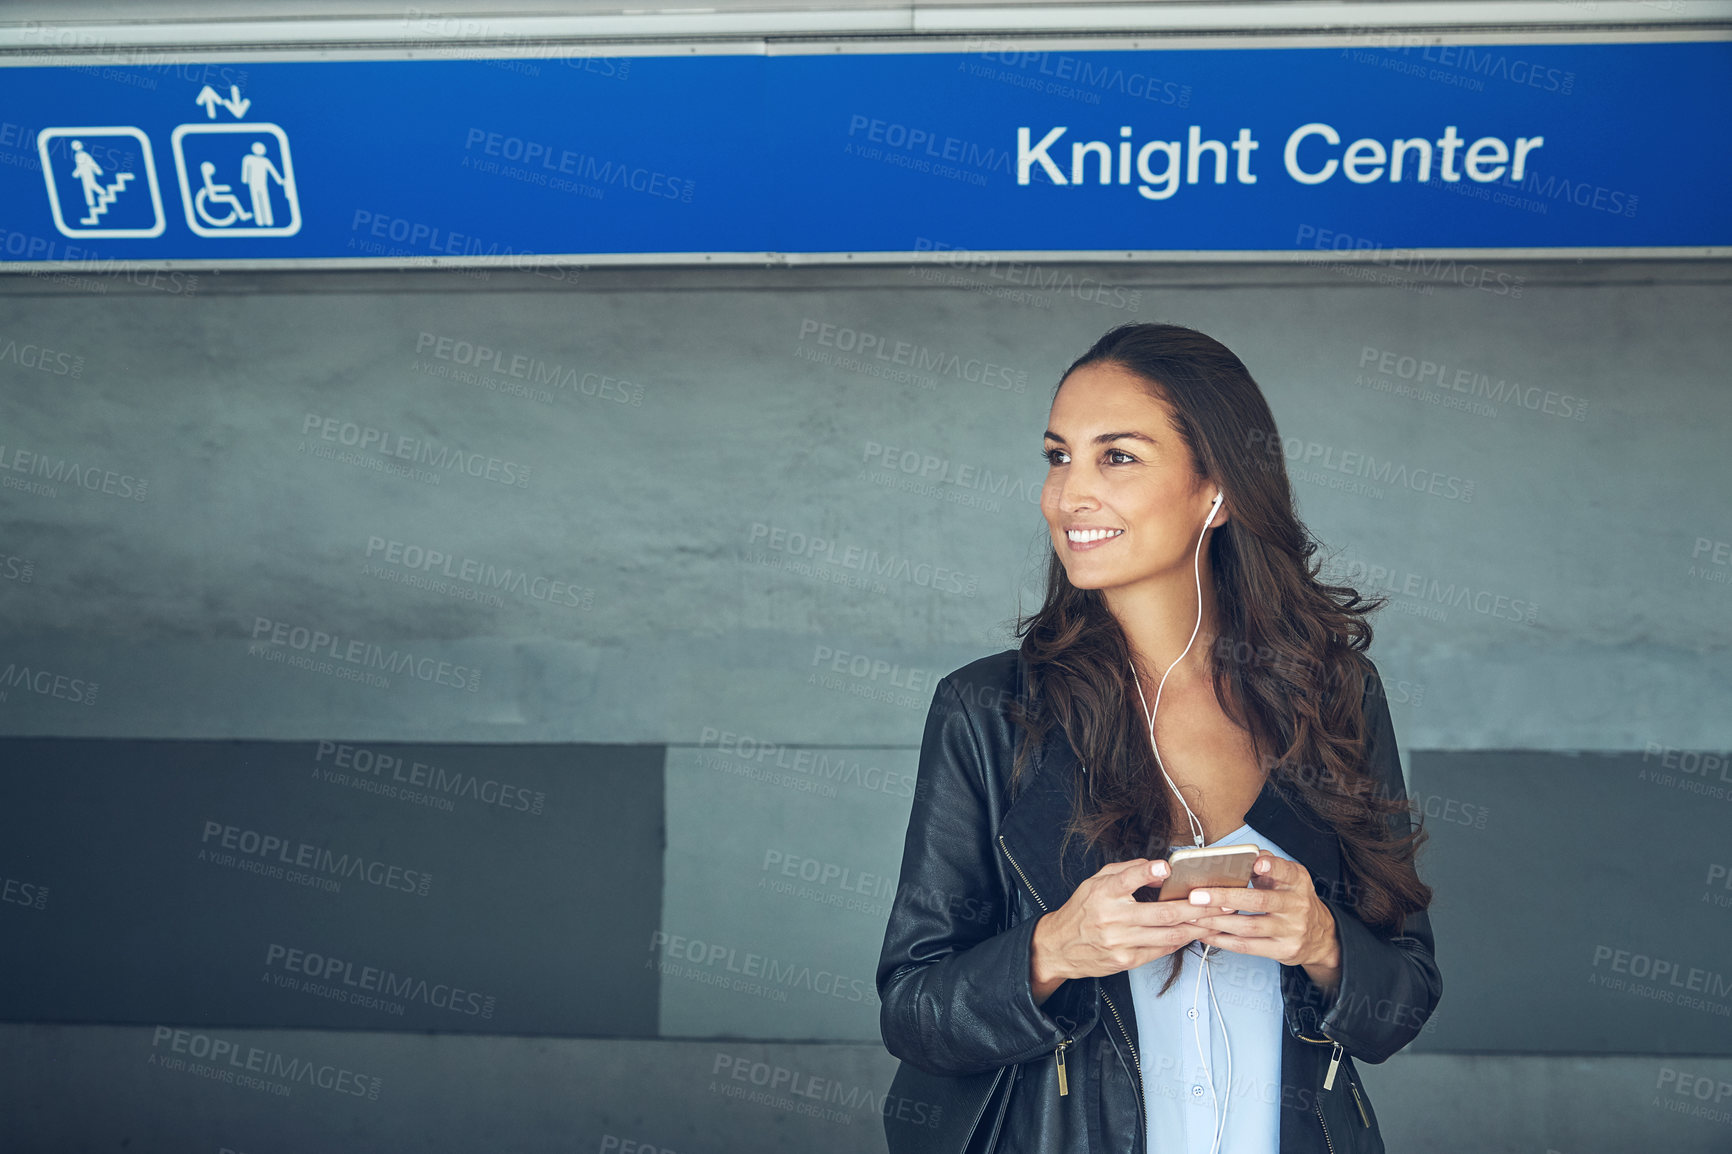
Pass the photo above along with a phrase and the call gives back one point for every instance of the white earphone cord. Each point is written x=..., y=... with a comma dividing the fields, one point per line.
x=1218, y=1106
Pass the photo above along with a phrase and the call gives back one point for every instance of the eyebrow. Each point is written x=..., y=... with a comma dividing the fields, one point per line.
x=1104, y=438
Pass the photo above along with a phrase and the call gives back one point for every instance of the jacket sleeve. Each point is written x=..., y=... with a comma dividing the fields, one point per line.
x=1389, y=981
x=954, y=989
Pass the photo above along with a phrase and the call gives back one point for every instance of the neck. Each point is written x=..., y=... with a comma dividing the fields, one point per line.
x=1158, y=615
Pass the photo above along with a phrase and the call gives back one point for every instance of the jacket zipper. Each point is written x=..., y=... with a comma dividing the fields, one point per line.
x=1058, y=1054
x=1142, y=1115
x=1062, y=1087
x=1318, y=1106
x=1328, y=1083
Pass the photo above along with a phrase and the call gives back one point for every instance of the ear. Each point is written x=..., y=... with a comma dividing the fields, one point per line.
x=1220, y=515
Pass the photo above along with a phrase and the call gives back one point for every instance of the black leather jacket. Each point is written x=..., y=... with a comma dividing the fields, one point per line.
x=979, y=870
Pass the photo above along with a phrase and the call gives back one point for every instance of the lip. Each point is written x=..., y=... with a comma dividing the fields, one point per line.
x=1085, y=546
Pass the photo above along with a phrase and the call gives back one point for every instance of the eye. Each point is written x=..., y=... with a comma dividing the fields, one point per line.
x=1047, y=455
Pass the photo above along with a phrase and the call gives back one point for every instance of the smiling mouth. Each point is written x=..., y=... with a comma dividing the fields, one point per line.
x=1090, y=536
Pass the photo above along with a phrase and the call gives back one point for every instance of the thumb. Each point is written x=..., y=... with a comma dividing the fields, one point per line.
x=1140, y=872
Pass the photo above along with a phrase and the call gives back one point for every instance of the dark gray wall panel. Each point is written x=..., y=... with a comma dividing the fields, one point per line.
x=469, y=888
x=1583, y=900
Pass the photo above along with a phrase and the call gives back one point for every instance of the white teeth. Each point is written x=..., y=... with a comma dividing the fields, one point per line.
x=1084, y=536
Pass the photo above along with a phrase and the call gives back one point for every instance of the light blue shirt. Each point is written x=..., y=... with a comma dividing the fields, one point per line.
x=1181, y=1113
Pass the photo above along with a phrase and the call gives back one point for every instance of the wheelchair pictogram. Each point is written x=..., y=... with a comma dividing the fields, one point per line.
x=101, y=181
x=245, y=183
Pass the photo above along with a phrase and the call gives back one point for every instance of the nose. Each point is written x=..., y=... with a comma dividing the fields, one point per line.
x=1075, y=490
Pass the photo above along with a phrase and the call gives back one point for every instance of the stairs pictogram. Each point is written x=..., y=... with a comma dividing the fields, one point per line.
x=106, y=196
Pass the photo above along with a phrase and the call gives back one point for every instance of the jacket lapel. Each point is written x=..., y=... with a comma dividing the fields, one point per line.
x=1033, y=830
x=1033, y=827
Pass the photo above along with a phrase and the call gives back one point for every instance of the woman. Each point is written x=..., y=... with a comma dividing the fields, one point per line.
x=1048, y=795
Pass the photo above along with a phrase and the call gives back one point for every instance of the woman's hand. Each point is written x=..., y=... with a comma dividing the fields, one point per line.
x=1296, y=928
x=1102, y=929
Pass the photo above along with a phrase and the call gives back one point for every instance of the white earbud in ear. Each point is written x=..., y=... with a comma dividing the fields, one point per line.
x=1219, y=497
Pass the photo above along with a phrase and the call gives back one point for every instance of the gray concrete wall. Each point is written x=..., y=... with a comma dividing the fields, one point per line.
x=686, y=468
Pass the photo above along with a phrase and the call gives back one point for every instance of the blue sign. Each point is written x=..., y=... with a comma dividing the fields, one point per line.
x=1363, y=146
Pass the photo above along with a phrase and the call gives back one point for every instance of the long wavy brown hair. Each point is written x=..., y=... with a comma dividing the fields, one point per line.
x=1286, y=665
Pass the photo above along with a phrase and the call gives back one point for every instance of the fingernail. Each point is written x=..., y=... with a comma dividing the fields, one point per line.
x=1199, y=897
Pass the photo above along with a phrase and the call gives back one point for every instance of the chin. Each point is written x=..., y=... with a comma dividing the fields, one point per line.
x=1086, y=582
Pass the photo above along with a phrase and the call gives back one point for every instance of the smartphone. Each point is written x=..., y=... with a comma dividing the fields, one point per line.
x=1208, y=867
